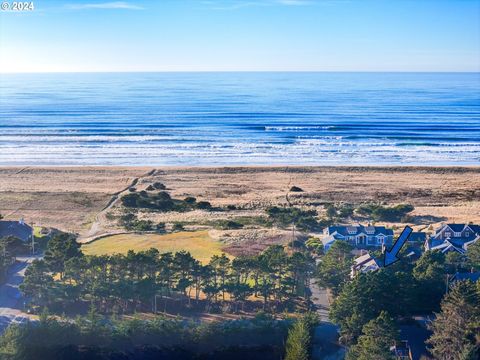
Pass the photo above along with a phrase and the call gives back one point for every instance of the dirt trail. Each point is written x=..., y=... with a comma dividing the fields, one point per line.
x=98, y=228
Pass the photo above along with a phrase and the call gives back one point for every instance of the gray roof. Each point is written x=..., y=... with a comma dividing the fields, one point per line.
x=15, y=228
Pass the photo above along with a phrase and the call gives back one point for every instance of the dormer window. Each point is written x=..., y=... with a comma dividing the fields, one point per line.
x=352, y=230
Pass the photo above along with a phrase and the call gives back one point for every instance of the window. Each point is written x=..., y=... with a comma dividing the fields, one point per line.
x=457, y=234
x=448, y=234
x=467, y=234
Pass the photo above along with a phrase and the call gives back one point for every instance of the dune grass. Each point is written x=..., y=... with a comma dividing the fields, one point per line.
x=198, y=243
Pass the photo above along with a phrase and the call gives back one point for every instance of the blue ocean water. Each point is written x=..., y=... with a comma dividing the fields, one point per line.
x=240, y=119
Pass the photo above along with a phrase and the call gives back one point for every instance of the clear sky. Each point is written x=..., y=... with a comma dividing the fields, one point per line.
x=242, y=35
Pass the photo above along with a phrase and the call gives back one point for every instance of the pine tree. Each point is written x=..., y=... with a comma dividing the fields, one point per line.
x=377, y=337
x=457, y=327
x=298, y=342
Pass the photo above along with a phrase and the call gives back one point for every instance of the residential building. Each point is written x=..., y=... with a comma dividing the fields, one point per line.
x=453, y=237
x=358, y=236
x=401, y=350
x=365, y=263
x=18, y=229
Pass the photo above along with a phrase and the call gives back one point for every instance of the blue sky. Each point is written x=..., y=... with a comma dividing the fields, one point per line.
x=248, y=35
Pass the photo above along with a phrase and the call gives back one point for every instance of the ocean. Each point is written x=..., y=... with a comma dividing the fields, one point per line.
x=210, y=119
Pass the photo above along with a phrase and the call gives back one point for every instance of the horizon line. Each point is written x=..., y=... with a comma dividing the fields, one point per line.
x=245, y=71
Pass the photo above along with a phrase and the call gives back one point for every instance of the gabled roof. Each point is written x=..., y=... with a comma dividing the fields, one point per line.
x=459, y=228
x=474, y=228
x=353, y=230
x=456, y=227
x=448, y=246
x=15, y=228
x=417, y=236
x=362, y=259
x=365, y=261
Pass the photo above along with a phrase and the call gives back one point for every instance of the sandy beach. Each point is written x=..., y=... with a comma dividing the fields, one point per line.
x=69, y=198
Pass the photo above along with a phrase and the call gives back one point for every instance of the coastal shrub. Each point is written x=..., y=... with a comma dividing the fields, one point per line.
x=296, y=189
x=302, y=219
x=150, y=188
x=345, y=211
x=231, y=207
x=158, y=186
x=177, y=227
x=190, y=200
x=385, y=213
x=315, y=244
x=204, y=205
x=229, y=224
x=130, y=200
x=162, y=201
x=331, y=211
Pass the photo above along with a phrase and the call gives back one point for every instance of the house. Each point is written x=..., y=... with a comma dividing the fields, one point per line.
x=453, y=237
x=401, y=350
x=363, y=264
x=358, y=236
x=417, y=237
x=18, y=229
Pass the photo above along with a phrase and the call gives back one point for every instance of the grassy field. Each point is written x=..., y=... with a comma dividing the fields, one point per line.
x=198, y=243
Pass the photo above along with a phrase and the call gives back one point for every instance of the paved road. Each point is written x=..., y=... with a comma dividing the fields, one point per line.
x=325, y=345
x=11, y=302
x=321, y=301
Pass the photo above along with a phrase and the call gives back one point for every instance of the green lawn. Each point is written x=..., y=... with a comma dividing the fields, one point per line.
x=198, y=243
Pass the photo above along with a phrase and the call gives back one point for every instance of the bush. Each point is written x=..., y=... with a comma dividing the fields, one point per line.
x=296, y=189
x=303, y=219
x=130, y=200
x=178, y=227
x=229, y=224
x=190, y=200
x=204, y=205
x=385, y=213
x=159, y=186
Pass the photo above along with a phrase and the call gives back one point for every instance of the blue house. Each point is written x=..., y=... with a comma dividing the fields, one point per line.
x=18, y=229
x=358, y=236
x=453, y=237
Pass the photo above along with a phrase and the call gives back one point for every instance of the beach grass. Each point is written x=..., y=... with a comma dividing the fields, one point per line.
x=198, y=243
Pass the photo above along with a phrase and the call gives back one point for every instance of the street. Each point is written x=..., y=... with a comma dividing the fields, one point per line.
x=325, y=344
x=10, y=297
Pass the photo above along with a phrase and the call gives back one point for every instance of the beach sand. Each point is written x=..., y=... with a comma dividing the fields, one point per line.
x=70, y=198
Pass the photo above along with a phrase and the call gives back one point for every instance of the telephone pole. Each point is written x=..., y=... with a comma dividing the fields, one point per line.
x=33, y=239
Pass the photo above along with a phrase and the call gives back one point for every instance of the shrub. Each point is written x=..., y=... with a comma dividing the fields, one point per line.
x=190, y=200
x=204, y=205
x=230, y=224
x=159, y=186
x=296, y=189
x=385, y=213
x=178, y=227
x=130, y=200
